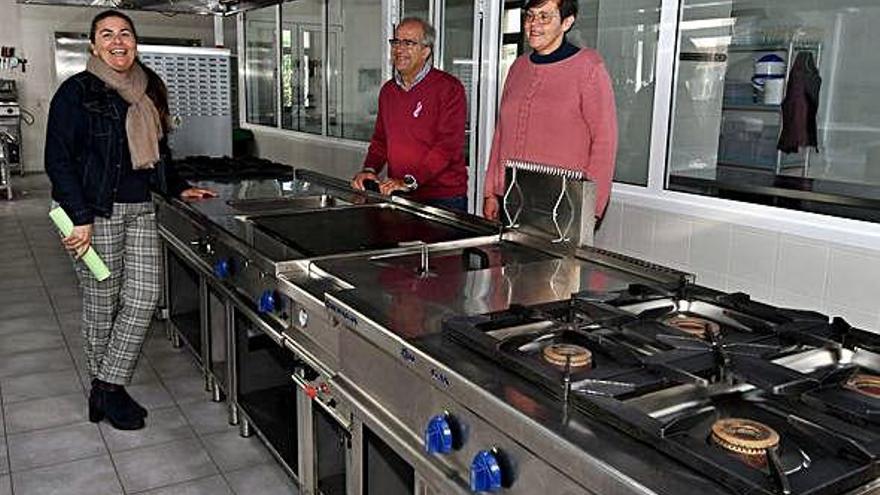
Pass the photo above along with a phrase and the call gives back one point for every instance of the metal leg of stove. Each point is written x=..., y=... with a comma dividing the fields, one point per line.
x=216, y=392
x=244, y=428
x=175, y=340
x=233, y=416
x=209, y=382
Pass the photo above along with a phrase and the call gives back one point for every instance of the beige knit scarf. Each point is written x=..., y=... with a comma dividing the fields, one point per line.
x=142, y=122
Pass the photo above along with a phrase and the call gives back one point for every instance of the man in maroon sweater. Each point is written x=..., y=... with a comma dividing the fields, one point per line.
x=420, y=127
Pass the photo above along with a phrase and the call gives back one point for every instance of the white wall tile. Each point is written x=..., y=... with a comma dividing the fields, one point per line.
x=711, y=279
x=802, y=267
x=672, y=236
x=638, y=230
x=854, y=316
x=854, y=280
x=753, y=255
x=786, y=299
x=758, y=292
x=710, y=246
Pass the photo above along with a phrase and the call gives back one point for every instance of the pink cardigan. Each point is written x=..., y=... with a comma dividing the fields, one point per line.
x=561, y=114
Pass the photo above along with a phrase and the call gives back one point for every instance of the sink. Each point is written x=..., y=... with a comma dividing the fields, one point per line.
x=292, y=203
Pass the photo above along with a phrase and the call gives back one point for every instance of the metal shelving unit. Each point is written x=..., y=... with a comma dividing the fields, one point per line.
x=791, y=48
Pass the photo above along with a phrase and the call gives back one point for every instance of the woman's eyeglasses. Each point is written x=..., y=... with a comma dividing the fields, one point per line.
x=542, y=18
x=402, y=43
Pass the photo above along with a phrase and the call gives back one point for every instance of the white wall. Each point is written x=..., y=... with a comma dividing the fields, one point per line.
x=31, y=28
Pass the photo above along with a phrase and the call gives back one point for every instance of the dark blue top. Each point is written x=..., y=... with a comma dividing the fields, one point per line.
x=134, y=185
x=564, y=51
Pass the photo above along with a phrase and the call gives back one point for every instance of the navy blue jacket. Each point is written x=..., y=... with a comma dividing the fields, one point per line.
x=85, y=145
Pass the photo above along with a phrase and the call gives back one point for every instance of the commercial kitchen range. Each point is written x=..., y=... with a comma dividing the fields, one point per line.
x=382, y=347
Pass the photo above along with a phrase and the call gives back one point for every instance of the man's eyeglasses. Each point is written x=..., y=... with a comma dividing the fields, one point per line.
x=401, y=43
x=542, y=18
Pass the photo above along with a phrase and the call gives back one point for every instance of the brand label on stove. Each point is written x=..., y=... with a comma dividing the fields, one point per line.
x=440, y=377
x=343, y=314
x=407, y=356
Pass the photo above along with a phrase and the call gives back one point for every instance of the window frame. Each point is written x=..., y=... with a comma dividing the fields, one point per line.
x=656, y=195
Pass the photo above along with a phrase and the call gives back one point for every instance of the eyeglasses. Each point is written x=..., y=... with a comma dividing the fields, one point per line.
x=542, y=18
x=401, y=43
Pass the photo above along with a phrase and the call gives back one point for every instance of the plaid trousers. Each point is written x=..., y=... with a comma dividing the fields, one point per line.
x=117, y=312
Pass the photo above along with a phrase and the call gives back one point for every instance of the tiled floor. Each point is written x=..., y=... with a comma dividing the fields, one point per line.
x=47, y=445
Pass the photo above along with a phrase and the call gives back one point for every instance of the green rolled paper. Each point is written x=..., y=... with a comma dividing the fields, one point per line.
x=90, y=258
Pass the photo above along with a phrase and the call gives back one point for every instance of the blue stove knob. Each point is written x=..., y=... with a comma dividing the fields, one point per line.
x=222, y=268
x=438, y=435
x=266, y=304
x=485, y=472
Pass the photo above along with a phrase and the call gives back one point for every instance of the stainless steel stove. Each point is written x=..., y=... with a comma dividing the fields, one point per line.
x=380, y=347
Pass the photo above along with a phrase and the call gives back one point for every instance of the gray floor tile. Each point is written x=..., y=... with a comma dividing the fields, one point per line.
x=15, y=296
x=144, y=373
x=54, y=446
x=265, y=479
x=44, y=322
x=22, y=283
x=39, y=386
x=206, y=416
x=45, y=413
x=13, y=343
x=166, y=464
x=93, y=476
x=35, y=362
x=4, y=460
x=215, y=485
x=231, y=452
x=5, y=485
x=162, y=426
x=23, y=309
x=151, y=395
x=187, y=389
x=173, y=365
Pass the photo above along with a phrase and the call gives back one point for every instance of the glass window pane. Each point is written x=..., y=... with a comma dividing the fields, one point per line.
x=416, y=8
x=260, y=64
x=302, y=74
x=626, y=32
x=356, y=70
x=760, y=86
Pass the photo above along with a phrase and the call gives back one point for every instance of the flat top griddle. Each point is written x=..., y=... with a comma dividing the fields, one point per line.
x=361, y=228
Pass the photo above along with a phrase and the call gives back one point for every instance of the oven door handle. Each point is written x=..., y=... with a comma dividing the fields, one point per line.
x=260, y=323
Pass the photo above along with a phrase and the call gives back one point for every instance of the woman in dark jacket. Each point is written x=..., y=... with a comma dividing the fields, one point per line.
x=105, y=150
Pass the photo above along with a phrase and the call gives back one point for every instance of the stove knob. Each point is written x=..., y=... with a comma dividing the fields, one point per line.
x=438, y=435
x=485, y=472
x=222, y=268
x=266, y=304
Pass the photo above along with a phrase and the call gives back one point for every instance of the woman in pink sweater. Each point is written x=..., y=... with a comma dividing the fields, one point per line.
x=557, y=107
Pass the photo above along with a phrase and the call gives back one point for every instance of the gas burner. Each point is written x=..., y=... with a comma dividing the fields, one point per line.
x=574, y=356
x=865, y=384
x=749, y=440
x=693, y=325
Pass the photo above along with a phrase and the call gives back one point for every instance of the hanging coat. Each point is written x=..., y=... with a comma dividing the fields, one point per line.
x=800, y=105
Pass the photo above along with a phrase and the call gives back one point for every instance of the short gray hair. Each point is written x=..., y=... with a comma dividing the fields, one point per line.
x=429, y=35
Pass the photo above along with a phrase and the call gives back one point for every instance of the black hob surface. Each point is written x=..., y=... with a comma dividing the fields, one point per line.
x=356, y=229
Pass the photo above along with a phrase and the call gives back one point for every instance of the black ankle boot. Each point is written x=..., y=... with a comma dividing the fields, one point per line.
x=107, y=400
x=137, y=407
